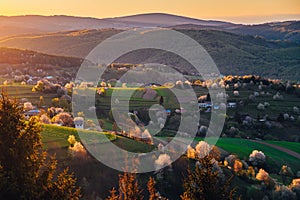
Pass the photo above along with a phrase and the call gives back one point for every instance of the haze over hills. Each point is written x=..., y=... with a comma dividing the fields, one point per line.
x=33, y=24
x=40, y=24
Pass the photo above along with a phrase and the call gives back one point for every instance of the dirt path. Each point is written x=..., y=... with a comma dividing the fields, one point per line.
x=290, y=152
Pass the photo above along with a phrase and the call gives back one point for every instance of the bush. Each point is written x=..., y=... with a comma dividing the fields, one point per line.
x=278, y=97
x=77, y=150
x=282, y=192
x=296, y=110
x=202, y=130
x=45, y=119
x=295, y=187
x=260, y=106
x=286, y=116
x=257, y=158
x=236, y=93
x=229, y=160
x=263, y=176
x=202, y=149
x=65, y=118
x=266, y=104
x=27, y=106
x=72, y=140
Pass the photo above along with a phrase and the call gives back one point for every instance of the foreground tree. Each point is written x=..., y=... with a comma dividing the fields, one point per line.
x=207, y=181
x=153, y=193
x=129, y=189
x=26, y=172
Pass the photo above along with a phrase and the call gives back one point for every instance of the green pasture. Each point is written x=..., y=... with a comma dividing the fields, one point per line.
x=56, y=137
x=18, y=91
x=294, y=146
x=242, y=148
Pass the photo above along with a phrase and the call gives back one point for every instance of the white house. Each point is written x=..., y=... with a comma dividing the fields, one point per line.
x=79, y=122
x=31, y=113
x=231, y=105
x=205, y=105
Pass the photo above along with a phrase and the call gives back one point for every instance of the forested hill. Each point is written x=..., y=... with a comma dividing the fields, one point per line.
x=233, y=53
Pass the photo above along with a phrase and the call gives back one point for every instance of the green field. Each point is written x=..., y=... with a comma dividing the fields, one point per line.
x=136, y=101
x=242, y=148
x=25, y=91
x=276, y=107
x=294, y=146
x=56, y=137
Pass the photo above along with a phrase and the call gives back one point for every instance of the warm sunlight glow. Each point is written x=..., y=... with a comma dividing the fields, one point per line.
x=238, y=11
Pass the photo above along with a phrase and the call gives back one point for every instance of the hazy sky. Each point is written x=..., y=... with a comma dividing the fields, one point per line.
x=239, y=11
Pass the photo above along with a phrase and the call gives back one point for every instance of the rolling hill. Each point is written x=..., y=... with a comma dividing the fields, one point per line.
x=67, y=43
x=275, y=31
x=233, y=53
x=164, y=20
x=20, y=61
x=35, y=24
x=31, y=58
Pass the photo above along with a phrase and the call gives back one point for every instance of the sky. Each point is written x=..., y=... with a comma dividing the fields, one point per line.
x=238, y=11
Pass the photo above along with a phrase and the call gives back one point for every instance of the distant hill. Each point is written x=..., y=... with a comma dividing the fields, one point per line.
x=33, y=24
x=163, y=20
x=282, y=31
x=244, y=54
x=34, y=59
x=233, y=54
x=67, y=43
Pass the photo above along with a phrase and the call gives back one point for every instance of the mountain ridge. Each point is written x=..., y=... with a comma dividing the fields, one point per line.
x=32, y=24
x=150, y=17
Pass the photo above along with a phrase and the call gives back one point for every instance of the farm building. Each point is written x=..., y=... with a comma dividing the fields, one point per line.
x=231, y=105
x=79, y=122
x=205, y=105
x=31, y=113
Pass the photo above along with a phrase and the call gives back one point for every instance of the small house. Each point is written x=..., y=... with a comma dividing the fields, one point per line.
x=216, y=107
x=205, y=105
x=79, y=122
x=231, y=105
x=31, y=113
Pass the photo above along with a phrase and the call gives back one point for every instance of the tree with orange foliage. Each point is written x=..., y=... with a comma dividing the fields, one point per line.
x=129, y=189
x=26, y=172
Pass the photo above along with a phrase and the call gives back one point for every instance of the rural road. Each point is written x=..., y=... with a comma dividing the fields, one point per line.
x=290, y=152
